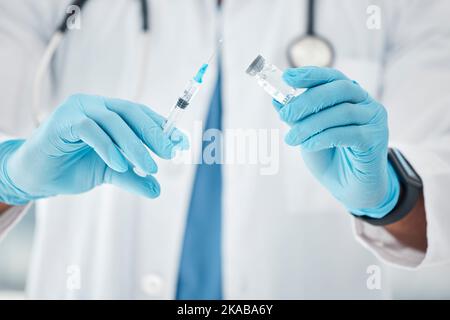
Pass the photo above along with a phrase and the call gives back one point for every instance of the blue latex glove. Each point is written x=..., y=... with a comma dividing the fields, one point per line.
x=87, y=141
x=343, y=135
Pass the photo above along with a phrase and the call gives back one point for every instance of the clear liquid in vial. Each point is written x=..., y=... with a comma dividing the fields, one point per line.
x=274, y=92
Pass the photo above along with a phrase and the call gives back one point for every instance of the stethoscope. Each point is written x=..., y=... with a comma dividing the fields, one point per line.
x=305, y=50
x=310, y=49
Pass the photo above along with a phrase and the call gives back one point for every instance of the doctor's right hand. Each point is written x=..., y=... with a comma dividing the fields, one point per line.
x=86, y=142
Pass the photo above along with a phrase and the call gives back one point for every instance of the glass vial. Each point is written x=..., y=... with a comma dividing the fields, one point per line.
x=269, y=77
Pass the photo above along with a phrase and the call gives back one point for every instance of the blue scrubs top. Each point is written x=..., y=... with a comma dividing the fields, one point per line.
x=200, y=270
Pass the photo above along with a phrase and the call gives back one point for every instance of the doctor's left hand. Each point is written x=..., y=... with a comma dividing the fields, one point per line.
x=86, y=142
x=343, y=135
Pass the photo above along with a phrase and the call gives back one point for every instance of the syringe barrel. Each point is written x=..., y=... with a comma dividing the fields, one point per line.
x=190, y=91
x=174, y=116
x=184, y=100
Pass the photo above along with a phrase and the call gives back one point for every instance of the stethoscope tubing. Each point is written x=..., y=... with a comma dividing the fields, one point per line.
x=310, y=21
x=52, y=47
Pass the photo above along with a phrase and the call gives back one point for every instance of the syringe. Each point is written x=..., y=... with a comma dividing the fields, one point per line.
x=188, y=95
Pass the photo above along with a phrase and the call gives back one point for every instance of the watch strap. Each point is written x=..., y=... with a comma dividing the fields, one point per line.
x=411, y=188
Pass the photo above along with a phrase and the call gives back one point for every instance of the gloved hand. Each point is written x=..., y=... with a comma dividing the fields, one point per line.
x=343, y=135
x=82, y=145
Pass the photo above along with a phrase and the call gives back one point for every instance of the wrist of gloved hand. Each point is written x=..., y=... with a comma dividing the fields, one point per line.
x=9, y=192
x=389, y=201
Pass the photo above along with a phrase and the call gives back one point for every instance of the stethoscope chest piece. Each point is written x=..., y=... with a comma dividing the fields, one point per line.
x=310, y=50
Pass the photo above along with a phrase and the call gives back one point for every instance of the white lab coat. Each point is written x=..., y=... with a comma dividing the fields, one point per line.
x=284, y=236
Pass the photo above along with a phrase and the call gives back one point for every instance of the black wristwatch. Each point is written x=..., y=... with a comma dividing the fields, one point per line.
x=411, y=188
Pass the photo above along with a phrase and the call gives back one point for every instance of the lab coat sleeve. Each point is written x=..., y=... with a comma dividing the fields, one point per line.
x=10, y=218
x=416, y=93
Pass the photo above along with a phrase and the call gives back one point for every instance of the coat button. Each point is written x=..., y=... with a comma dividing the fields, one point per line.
x=152, y=284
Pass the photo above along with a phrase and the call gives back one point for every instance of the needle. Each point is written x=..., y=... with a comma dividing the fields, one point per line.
x=213, y=55
x=201, y=72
